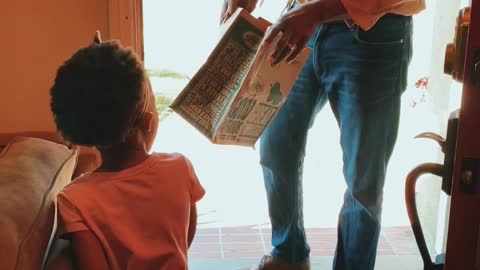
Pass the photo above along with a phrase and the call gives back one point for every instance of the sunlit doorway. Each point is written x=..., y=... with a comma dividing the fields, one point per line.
x=233, y=219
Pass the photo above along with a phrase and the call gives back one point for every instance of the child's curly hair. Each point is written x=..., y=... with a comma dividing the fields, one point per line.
x=97, y=94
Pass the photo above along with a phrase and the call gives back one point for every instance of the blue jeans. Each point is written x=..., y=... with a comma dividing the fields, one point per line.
x=362, y=74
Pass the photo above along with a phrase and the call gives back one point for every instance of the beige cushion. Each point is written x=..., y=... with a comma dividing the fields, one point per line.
x=32, y=172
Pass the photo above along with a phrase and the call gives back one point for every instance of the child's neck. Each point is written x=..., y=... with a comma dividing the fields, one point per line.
x=121, y=157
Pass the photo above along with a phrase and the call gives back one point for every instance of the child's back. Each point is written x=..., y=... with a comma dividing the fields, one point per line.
x=139, y=215
x=136, y=211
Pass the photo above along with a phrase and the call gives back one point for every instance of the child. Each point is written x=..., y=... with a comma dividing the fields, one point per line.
x=136, y=211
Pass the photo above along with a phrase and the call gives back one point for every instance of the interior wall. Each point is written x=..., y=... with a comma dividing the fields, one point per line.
x=37, y=36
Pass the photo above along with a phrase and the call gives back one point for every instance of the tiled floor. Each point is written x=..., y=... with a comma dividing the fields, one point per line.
x=252, y=242
x=386, y=262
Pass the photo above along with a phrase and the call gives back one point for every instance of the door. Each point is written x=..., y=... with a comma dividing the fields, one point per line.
x=463, y=243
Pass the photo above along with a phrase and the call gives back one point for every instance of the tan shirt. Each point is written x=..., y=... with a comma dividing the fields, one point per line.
x=366, y=13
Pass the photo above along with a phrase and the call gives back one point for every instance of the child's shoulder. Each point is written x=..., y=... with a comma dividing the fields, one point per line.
x=79, y=187
x=169, y=157
x=173, y=160
x=156, y=160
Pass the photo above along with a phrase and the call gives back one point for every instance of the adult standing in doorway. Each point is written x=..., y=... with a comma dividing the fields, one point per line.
x=361, y=51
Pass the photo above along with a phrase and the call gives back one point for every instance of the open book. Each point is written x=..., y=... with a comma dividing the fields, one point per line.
x=236, y=93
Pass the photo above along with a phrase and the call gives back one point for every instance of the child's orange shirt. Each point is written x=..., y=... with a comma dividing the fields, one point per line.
x=140, y=215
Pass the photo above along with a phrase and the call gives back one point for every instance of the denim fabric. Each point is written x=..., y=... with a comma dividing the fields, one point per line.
x=362, y=75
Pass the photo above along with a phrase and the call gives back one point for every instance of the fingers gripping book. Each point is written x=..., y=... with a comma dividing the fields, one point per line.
x=236, y=93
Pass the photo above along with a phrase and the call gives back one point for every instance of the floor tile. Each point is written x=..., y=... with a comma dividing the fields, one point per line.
x=241, y=238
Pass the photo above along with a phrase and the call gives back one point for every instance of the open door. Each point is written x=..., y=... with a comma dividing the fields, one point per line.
x=461, y=168
x=463, y=243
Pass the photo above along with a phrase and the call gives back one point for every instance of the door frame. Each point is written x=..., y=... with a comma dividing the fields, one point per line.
x=125, y=23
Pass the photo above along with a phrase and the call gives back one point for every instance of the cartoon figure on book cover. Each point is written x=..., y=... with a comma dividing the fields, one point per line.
x=257, y=87
x=275, y=96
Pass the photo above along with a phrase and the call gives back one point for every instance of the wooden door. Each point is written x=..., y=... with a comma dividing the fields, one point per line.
x=463, y=243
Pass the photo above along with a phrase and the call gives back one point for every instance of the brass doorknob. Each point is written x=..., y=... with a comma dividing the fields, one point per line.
x=455, y=52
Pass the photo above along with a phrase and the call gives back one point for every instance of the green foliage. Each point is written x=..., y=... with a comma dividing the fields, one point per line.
x=167, y=73
x=162, y=103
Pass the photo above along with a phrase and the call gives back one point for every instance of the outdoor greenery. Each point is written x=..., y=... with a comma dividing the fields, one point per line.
x=162, y=103
x=167, y=73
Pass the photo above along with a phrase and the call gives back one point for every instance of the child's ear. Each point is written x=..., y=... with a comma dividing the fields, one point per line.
x=147, y=121
x=97, y=39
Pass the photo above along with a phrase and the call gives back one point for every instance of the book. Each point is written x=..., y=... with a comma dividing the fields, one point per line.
x=236, y=93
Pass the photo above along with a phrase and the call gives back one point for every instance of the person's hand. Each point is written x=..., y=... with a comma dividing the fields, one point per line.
x=296, y=27
x=230, y=6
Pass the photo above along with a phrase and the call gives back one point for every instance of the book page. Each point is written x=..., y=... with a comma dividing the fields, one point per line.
x=260, y=98
x=206, y=98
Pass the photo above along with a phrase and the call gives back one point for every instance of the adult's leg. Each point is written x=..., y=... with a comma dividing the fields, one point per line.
x=364, y=77
x=282, y=151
